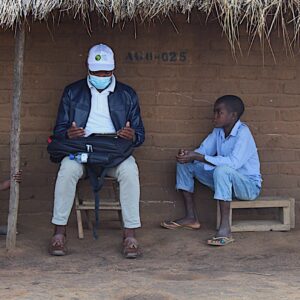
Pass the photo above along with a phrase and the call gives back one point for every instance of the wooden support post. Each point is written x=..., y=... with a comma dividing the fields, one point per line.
x=15, y=137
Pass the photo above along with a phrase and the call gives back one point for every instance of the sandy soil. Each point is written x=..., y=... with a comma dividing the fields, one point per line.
x=175, y=265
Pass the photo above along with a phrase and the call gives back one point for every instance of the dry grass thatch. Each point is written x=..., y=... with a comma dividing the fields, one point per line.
x=259, y=16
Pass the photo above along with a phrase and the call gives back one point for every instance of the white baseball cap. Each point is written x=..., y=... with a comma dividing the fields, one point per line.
x=101, y=58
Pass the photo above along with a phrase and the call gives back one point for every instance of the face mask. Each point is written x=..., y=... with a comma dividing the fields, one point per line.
x=100, y=83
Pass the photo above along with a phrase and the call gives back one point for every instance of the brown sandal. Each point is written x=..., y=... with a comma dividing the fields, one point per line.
x=57, y=245
x=131, y=248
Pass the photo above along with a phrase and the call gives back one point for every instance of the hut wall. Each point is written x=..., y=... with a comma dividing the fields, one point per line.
x=178, y=74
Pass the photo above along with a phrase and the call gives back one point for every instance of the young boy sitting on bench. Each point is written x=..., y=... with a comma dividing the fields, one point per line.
x=227, y=162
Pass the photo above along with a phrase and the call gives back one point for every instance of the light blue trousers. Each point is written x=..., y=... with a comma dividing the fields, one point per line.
x=226, y=182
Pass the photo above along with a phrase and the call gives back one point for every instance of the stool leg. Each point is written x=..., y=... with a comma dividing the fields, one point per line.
x=79, y=219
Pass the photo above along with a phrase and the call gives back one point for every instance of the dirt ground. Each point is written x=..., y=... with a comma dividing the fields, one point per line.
x=175, y=265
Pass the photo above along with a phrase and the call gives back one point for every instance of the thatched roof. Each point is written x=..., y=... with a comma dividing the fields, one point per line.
x=260, y=16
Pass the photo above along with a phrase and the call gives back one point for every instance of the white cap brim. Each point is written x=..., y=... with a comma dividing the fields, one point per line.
x=101, y=67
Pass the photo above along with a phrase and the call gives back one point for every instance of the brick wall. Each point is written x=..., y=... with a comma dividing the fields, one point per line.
x=178, y=76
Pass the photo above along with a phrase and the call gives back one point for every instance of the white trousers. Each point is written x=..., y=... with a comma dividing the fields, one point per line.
x=70, y=172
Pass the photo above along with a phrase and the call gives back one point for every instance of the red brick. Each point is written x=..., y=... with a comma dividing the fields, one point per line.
x=278, y=101
x=278, y=155
x=280, y=181
x=177, y=126
x=265, y=86
x=290, y=115
x=174, y=140
x=269, y=168
x=43, y=110
x=147, y=98
x=261, y=114
x=5, y=110
x=292, y=87
x=279, y=127
x=156, y=153
x=290, y=169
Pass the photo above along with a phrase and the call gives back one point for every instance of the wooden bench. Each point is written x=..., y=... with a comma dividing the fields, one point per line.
x=83, y=203
x=284, y=222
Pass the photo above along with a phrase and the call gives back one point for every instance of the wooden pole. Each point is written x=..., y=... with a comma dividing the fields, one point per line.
x=15, y=137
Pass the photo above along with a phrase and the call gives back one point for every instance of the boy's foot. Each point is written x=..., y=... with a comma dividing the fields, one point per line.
x=131, y=248
x=182, y=223
x=220, y=241
x=57, y=245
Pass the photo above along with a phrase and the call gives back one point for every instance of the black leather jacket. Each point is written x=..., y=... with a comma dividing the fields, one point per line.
x=75, y=106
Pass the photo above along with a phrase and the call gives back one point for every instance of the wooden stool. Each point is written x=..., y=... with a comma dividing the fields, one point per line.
x=87, y=204
x=285, y=221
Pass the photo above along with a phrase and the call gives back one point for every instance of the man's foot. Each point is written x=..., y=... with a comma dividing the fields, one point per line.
x=131, y=248
x=57, y=245
x=187, y=223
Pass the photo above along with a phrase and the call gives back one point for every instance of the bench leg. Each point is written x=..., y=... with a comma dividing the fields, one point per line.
x=285, y=215
x=292, y=213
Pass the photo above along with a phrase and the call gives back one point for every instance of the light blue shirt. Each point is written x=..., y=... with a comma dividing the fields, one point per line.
x=238, y=151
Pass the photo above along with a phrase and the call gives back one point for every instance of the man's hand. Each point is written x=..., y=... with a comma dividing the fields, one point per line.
x=75, y=132
x=127, y=132
x=5, y=185
x=185, y=156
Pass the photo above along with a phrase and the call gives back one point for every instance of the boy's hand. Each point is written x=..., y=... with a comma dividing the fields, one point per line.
x=126, y=132
x=185, y=156
x=75, y=132
x=18, y=176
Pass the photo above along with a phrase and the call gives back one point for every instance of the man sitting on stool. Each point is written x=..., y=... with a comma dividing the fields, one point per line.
x=98, y=104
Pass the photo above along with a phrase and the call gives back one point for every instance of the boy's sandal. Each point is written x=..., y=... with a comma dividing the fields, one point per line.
x=175, y=225
x=58, y=246
x=220, y=241
x=131, y=248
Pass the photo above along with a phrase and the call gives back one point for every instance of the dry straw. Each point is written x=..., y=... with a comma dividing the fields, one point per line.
x=260, y=17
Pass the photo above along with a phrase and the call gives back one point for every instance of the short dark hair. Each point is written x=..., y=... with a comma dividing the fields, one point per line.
x=233, y=103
